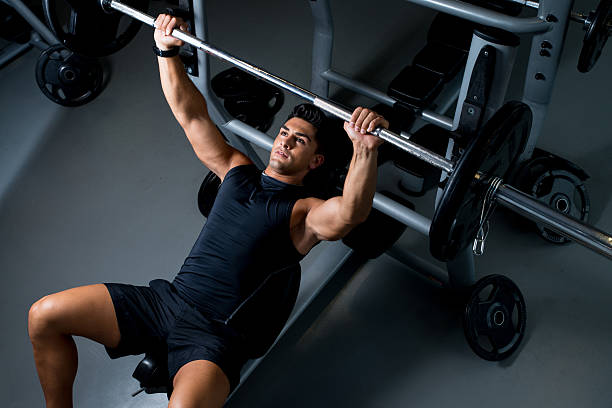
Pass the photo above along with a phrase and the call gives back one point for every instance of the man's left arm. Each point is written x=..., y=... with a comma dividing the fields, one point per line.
x=332, y=219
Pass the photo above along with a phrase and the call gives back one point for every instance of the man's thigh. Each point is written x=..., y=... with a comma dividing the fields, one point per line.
x=144, y=314
x=85, y=311
x=200, y=383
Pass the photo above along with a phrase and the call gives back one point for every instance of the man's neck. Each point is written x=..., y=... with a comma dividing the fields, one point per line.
x=285, y=178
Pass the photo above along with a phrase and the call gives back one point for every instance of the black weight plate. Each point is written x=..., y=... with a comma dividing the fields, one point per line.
x=558, y=183
x=596, y=36
x=208, y=193
x=493, y=152
x=85, y=28
x=495, y=317
x=67, y=78
x=247, y=98
x=258, y=114
x=233, y=83
x=564, y=192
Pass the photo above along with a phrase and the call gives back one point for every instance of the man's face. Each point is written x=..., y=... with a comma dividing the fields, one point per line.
x=294, y=149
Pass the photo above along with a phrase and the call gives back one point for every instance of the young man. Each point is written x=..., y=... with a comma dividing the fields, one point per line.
x=260, y=222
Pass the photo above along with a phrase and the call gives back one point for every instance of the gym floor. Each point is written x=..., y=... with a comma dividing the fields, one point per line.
x=107, y=192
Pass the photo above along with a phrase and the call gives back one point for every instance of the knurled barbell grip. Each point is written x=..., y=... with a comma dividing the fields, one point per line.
x=403, y=143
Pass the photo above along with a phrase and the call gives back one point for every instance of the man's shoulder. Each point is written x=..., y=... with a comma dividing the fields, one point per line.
x=304, y=205
x=241, y=171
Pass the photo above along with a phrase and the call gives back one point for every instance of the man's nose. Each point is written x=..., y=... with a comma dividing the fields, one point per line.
x=289, y=142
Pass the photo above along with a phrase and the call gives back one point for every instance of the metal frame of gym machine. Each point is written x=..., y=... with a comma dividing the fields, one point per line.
x=548, y=27
x=330, y=258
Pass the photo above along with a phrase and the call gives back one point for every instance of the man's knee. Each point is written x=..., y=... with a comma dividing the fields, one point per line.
x=43, y=318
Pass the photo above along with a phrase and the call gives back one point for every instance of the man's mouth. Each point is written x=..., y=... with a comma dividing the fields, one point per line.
x=282, y=154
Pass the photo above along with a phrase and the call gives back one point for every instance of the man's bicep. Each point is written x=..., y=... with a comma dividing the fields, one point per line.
x=325, y=221
x=211, y=148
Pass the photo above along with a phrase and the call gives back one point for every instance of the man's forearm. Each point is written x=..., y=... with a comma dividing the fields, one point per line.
x=360, y=184
x=183, y=97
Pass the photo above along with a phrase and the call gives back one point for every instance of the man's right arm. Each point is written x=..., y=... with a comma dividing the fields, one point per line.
x=189, y=107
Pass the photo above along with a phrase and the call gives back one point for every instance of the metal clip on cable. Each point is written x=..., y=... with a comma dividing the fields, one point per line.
x=487, y=208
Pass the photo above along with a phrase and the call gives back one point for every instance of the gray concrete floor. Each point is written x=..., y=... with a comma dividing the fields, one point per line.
x=107, y=192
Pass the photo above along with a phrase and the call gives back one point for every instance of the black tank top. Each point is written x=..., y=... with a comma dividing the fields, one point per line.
x=246, y=238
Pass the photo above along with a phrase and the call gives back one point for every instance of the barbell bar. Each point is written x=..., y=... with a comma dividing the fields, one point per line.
x=508, y=196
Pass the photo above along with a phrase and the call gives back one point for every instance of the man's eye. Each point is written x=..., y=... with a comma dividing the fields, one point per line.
x=301, y=141
x=283, y=133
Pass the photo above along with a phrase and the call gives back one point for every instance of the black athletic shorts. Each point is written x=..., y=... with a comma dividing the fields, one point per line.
x=155, y=316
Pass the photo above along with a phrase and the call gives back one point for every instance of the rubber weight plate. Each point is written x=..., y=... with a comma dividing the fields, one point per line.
x=559, y=184
x=67, y=78
x=86, y=28
x=208, y=193
x=493, y=152
x=495, y=317
x=597, y=33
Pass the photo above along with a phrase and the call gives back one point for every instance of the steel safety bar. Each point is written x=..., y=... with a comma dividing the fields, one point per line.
x=484, y=16
x=371, y=92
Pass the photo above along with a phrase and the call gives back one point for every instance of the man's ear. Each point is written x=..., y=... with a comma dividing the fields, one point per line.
x=316, y=161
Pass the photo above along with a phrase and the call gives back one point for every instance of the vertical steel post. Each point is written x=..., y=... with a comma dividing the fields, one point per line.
x=215, y=109
x=543, y=64
x=322, y=45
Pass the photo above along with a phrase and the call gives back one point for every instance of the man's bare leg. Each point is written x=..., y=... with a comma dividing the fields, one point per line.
x=200, y=384
x=86, y=311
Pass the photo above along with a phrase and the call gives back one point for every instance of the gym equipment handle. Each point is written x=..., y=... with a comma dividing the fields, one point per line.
x=484, y=16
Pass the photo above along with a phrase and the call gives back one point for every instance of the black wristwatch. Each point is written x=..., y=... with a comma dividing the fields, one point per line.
x=166, y=54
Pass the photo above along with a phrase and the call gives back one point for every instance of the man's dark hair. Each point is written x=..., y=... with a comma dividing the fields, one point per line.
x=316, y=117
x=332, y=143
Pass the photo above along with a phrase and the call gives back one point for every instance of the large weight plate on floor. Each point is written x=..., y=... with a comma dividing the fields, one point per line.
x=597, y=33
x=84, y=27
x=68, y=79
x=495, y=317
x=493, y=153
